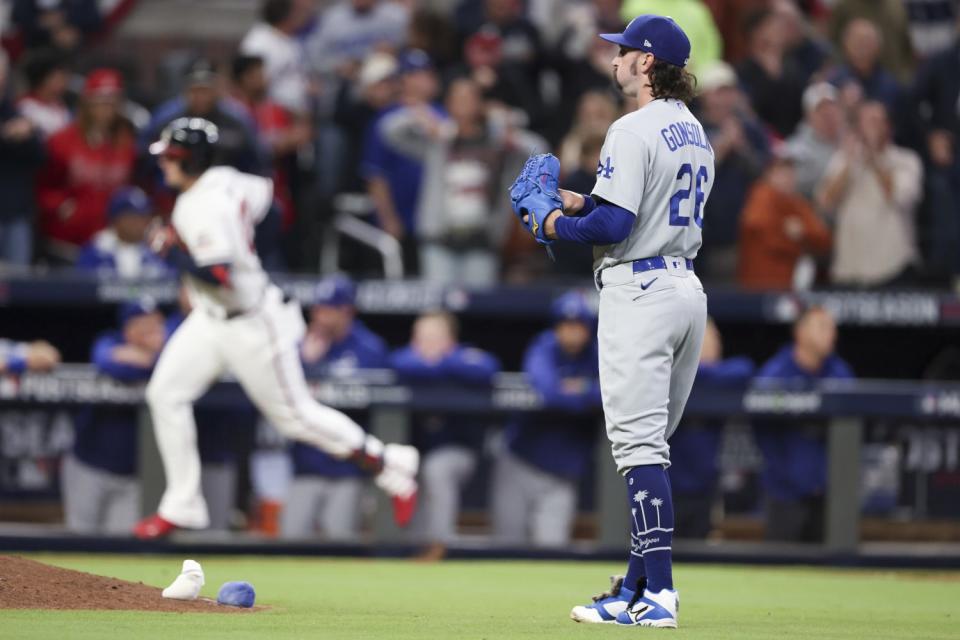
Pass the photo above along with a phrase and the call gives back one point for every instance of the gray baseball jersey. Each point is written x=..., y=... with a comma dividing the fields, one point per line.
x=657, y=163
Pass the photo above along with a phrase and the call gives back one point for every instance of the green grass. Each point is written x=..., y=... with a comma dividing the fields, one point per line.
x=320, y=598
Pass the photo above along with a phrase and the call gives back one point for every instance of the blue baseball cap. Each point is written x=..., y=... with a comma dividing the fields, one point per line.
x=414, y=60
x=128, y=200
x=335, y=291
x=135, y=308
x=574, y=306
x=658, y=35
x=237, y=594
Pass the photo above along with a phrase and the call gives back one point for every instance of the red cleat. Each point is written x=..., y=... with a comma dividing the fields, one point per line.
x=404, y=508
x=153, y=528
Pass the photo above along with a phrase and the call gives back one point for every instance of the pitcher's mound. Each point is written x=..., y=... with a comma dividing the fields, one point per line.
x=26, y=584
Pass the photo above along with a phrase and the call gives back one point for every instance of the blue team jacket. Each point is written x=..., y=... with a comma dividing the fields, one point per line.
x=106, y=437
x=100, y=256
x=695, y=444
x=360, y=349
x=557, y=441
x=795, y=458
x=464, y=365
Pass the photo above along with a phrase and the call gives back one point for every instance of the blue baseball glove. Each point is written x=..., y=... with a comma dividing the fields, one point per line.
x=533, y=194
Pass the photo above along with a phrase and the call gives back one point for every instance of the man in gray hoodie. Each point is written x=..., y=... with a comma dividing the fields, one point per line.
x=470, y=159
x=817, y=138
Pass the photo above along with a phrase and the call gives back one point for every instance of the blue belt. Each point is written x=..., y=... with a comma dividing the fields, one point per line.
x=658, y=262
x=649, y=264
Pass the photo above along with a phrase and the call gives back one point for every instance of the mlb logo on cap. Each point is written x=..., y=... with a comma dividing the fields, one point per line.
x=658, y=35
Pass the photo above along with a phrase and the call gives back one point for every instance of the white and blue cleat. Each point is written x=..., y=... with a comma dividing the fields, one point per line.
x=652, y=610
x=606, y=606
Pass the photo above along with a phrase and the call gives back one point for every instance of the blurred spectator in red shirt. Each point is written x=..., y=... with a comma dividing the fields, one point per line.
x=47, y=76
x=280, y=133
x=87, y=162
x=63, y=24
x=777, y=228
x=21, y=154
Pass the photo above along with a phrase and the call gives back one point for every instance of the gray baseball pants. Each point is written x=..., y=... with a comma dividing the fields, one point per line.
x=650, y=331
x=219, y=485
x=330, y=505
x=444, y=472
x=97, y=501
x=531, y=506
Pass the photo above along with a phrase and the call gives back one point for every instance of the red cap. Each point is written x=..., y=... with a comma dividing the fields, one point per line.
x=484, y=49
x=103, y=82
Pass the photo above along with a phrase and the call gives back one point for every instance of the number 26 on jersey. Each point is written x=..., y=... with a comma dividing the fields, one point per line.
x=689, y=181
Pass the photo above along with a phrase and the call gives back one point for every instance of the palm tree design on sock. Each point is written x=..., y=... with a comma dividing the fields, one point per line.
x=640, y=496
x=657, y=503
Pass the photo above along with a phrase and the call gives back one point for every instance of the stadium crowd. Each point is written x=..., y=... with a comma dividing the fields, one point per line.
x=833, y=123
x=833, y=126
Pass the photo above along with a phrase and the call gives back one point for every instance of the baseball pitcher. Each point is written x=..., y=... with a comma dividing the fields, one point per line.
x=242, y=324
x=644, y=219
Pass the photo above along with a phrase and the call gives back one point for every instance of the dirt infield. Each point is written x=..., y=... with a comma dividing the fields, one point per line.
x=26, y=584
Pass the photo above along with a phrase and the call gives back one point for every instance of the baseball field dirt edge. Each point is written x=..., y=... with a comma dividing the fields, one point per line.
x=28, y=584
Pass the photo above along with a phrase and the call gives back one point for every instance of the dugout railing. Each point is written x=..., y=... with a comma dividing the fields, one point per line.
x=844, y=406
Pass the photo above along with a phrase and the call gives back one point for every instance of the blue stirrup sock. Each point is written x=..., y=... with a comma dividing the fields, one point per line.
x=651, y=523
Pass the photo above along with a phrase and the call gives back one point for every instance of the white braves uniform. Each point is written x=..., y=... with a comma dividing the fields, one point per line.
x=655, y=162
x=245, y=329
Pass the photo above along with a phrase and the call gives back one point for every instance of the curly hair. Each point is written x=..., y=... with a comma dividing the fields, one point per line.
x=670, y=81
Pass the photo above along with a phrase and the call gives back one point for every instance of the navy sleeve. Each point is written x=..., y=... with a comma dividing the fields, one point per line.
x=470, y=365
x=589, y=204
x=410, y=366
x=839, y=369
x=605, y=224
x=775, y=367
x=541, y=374
x=88, y=259
x=215, y=274
x=373, y=354
x=726, y=372
x=103, y=360
x=373, y=160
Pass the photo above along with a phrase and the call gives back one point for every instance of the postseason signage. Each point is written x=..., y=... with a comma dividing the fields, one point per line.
x=865, y=309
x=874, y=309
x=80, y=385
